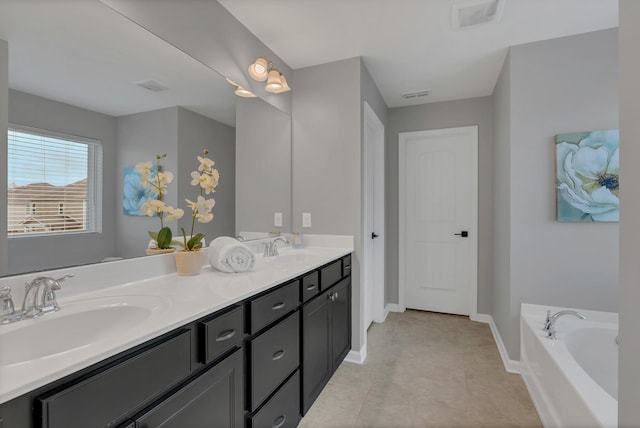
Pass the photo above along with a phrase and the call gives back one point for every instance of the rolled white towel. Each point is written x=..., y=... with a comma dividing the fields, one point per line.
x=228, y=255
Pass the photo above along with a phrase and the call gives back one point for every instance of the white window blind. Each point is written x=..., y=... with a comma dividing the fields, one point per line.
x=54, y=183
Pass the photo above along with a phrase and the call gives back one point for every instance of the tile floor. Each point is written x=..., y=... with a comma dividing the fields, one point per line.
x=425, y=370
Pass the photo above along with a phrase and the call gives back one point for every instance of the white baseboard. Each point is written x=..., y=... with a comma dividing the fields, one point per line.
x=512, y=366
x=391, y=307
x=357, y=357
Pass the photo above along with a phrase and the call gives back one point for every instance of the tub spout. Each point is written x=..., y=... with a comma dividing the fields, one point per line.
x=550, y=323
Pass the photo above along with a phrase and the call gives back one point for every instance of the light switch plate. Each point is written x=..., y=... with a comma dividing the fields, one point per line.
x=306, y=219
x=277, y=219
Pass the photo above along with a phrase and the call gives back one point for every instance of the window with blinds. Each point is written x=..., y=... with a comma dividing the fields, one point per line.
x=54, y=183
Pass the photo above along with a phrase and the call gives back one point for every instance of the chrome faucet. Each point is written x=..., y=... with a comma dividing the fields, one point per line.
x=271, y=247
x=7, y=310
x=550, y=321
x=40, y=296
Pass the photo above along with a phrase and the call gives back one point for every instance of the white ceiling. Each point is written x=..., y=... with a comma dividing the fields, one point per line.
x=409, y=45
x=83, y=53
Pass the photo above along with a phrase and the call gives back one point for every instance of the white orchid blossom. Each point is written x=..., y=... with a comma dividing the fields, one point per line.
x=155, y=181
x=206, y=178
x=206, y=164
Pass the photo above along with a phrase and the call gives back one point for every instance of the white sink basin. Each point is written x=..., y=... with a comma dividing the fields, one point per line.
x=77, y=325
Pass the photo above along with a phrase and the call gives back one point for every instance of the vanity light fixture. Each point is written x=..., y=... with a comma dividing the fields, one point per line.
x=262, y=69
x=240, y=90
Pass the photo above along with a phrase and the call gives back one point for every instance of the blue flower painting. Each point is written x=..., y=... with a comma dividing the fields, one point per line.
x=134, y=193
x=587, y=180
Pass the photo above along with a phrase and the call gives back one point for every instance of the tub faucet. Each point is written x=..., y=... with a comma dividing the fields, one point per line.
x=550, y=322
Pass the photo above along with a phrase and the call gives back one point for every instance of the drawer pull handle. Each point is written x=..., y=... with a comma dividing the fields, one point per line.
x=277, y=355
x=279, y=421
x=311, y=287
x=225, y=335
x=277, y=306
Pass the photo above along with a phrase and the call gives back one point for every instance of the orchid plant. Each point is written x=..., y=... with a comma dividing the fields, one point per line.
x=157, y=181
x=206, y=178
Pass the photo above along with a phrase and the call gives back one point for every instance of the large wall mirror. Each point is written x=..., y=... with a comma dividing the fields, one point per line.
x=79, y=70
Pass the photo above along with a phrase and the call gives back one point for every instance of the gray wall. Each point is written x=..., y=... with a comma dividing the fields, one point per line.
x=327, y=177
x=140, y=137
x=556, y=86
x=196, y=133
x=629, y=375
x=263, y=156
x=4, y=117
x=44, y=252
x=501, y=293
x=475, y=111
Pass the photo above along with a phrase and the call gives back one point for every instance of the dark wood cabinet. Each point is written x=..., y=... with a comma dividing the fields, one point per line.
x=113, y=393
x=316, y=344
x=261, y=362
x=340, y=322
x=213, y=399
x=283, y=409
x=326, y=338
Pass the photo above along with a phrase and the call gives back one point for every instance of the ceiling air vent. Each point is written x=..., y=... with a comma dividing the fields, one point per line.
x=418, y=94
x=152, y=85
x=476, y=12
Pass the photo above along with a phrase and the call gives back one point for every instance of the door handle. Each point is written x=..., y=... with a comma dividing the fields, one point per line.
x=463, y=234
x=374, y=235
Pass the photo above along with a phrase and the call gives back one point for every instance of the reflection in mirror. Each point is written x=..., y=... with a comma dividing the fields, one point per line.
x=263, y=184
x=79, y=69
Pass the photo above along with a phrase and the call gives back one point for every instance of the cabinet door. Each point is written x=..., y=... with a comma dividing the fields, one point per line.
x=111, y=394
x=316, y=348
x=340, y=322
x=214, y=399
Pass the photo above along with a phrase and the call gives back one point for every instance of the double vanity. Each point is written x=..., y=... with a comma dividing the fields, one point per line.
x=231, y=350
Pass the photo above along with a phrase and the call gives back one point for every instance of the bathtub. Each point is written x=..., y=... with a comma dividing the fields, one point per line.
x=573, y=380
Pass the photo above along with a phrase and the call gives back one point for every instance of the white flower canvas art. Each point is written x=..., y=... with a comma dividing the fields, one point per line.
x=587, y=182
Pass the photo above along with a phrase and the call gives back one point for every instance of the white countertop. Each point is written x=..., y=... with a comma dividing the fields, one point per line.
x=173, y=302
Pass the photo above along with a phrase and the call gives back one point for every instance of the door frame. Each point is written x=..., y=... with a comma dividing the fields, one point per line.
x=375, y=142
x=403, y=139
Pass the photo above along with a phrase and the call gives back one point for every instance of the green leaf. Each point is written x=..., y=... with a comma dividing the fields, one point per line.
x=178, y=243
x=195, y=242
x=153, y=236
x=164, y=238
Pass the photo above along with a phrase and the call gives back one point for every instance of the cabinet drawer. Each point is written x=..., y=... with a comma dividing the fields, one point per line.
x=272, y=306
x=283, y=409
x=309, y=286
x=330, y=274
x=275, y=354
x=114, y=392
x=346, y=265
x=220, y=334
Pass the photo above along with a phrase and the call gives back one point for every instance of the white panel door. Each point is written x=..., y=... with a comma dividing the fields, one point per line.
x=440, y=208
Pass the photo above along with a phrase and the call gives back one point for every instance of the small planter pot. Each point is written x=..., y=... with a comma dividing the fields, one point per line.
x=154, y=251
x=189, y=262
